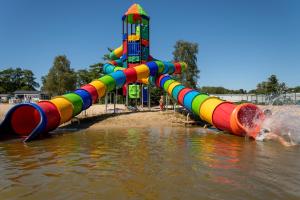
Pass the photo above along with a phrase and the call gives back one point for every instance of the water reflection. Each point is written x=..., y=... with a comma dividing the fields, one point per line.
x=154, y=163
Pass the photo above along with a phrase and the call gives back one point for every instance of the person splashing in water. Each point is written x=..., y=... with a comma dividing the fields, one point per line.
x=268, y=133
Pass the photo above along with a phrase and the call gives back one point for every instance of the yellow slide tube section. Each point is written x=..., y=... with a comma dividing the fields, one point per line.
x=171, y=87
x=142, y=71
x=64, y=107
x=145, y=81
x=207, y=108
x=100, y=87
x=117, y=53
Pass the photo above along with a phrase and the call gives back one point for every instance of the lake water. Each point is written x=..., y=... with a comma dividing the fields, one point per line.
x=154, y=163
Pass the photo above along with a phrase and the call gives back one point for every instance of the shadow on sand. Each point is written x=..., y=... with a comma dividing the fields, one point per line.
x=86, y=122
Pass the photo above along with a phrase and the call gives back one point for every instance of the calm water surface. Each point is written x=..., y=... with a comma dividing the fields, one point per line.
x=156, y=163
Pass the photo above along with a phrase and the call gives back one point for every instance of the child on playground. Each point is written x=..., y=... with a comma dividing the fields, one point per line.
x=161, y=103
x=267, y=134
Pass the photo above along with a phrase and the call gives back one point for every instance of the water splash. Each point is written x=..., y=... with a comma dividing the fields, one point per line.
x=284, y=121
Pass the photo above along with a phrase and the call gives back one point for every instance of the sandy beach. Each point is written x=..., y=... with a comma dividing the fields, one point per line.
x=3, y=110
x=96, y=117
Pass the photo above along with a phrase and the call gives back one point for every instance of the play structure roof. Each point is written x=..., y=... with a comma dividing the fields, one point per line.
x=136, y=9
x=136, y=14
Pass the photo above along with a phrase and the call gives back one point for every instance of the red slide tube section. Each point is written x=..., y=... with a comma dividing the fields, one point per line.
x=24, y=120
x=131, y=75
x=182, y=94
x=52, y=115
x=221, y=116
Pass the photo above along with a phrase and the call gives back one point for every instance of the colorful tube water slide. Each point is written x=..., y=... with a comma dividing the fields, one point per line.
x=31, y=120
x=224, y=115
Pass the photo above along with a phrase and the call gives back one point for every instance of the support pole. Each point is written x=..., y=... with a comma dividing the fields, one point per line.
x=127, y=44
x=126, y=103
x=135, y=95
x=141, y=36
x=110, y=97
x=149, y=103
x=142, y=95
x=115, y=101
x=106, y=98
x=166, y=101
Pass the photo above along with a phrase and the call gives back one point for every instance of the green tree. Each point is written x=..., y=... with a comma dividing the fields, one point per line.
x=295, y=89
x=187, y=52
x=85, y=76
x=271, y=86
x=95, y=70
x=242, y=91
x=28, y=80
x=60, y=78
x=261, y=88
x=17, y=79
x=106, y=56
x=8, y=81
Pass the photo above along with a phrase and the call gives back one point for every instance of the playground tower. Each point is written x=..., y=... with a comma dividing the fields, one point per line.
x=136, y=41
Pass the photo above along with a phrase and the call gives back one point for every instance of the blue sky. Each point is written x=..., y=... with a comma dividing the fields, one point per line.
x=242, y=42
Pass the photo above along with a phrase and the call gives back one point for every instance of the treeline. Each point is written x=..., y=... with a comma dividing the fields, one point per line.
x=221, y=90
x=61, y=78
x=13, y=79
x=295, y=89
x=272, y=86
